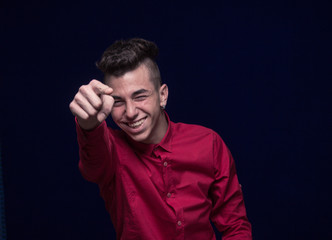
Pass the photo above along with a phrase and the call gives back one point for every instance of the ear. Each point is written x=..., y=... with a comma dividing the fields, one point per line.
x=163, y=95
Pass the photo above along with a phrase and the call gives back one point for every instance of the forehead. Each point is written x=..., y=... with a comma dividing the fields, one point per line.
x=130, y=81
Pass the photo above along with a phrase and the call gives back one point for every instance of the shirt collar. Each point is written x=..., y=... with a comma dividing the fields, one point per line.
x=166, y=142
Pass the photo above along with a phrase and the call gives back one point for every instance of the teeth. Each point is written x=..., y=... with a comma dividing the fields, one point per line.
x=136, y=124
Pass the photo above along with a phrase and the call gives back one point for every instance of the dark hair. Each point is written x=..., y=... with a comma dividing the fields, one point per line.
x=126, y=55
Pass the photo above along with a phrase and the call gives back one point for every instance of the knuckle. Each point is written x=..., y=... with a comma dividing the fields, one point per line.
x=98, y=105
x=72, y=106
x=82, y=88
x=85, y=117
x=76, y=98
x=93, y=112
x=93, y=82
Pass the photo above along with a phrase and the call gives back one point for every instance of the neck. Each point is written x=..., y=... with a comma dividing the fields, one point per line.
x=162, y=128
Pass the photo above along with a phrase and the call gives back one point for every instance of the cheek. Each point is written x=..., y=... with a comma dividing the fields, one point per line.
x=116, y=114
x=150, y=104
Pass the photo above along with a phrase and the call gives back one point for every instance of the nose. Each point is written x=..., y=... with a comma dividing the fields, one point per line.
x=131, y=110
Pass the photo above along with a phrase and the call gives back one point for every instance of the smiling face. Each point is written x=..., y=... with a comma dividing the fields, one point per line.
x=137, y=105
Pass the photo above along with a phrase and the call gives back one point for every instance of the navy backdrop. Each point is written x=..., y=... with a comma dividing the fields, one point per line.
x=257, y=72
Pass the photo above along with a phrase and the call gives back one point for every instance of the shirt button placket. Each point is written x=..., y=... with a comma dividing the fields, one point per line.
x=165, y=169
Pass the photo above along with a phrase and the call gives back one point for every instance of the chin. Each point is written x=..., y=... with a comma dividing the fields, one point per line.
x=138, y=138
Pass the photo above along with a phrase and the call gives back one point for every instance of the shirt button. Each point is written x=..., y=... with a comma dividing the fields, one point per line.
x=165, y=164
x=169, y=195
x=179, y=223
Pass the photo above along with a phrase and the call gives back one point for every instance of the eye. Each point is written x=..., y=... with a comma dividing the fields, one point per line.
x=117, y=103
x=140, y=98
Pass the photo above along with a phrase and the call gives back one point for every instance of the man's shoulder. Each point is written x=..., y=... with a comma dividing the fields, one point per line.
x=193, y=129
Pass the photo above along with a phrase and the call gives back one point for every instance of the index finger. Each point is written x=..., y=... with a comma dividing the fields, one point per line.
x=100, y=88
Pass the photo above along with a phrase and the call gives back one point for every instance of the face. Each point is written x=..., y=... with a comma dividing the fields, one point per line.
x=137, y=105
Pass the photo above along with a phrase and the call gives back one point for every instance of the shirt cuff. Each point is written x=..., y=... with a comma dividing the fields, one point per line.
x=88, y=134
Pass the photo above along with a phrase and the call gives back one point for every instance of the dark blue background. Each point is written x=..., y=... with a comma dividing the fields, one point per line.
x=257, y=72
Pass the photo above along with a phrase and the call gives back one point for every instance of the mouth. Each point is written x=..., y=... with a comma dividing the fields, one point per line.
x=136, y=124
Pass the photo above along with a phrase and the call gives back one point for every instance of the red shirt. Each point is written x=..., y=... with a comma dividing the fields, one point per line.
x=169, y=190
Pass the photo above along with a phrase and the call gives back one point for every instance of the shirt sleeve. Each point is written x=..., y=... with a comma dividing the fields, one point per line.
x=228, y=213
x=95, y=151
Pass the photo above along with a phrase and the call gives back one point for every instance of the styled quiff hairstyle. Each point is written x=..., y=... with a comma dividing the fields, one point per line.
x=126, y=55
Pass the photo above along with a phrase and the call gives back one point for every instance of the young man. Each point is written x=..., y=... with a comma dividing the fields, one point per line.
x=159, y=179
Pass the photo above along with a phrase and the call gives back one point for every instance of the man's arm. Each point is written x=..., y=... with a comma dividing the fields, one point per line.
x=91, y=106
x=228, y=213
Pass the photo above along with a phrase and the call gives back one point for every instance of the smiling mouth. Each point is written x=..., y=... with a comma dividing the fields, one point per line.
x=136, y=124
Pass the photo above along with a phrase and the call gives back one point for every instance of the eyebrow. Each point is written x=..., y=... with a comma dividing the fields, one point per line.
x=138, y=92
x=134, y=94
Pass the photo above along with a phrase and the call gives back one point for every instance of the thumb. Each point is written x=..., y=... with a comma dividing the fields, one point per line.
x=106, y=108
